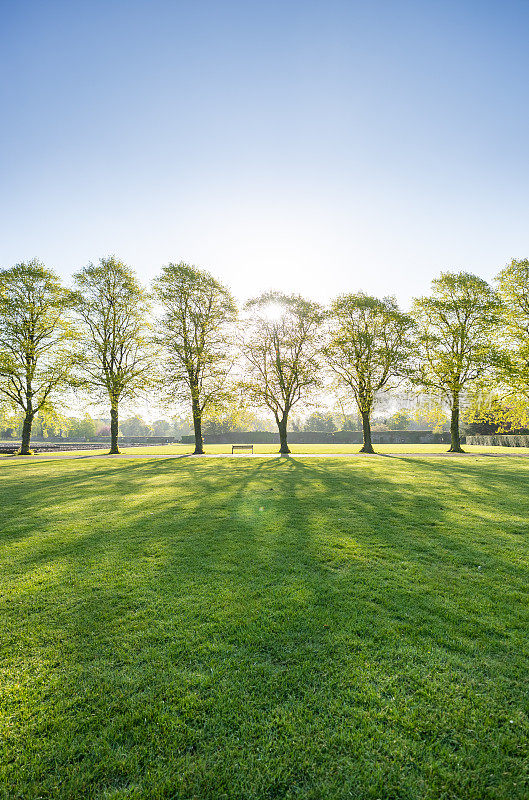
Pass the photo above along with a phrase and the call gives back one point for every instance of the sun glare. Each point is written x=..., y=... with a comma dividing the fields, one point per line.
x=273, y=312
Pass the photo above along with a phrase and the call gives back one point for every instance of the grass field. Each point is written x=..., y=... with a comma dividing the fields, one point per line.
x=282, y=628
x=310, y=449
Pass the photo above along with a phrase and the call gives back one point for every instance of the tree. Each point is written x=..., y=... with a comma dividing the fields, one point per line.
x=135, y=426
x=321, y=422
x=281, y=348
x=500, y=409
x=10, y=420
x=431, y=415
x=83, y=428
x=196, y=333
x=350, y=422
x=399, y=421
x=234, y=416
x=161, y=427
x=117, y=358
x=181, y=425
x=455, y=343
x=51, y=421
x=513, y=288
x=36, y=338
x=368, y=349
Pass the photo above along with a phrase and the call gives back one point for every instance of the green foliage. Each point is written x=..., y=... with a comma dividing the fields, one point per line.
x=346, y=421
x=369, y=345
x=368, y=350
x=320, y=421
x=513, y=287
x=297, y=629
x=36, y=336
x=82, y=428
x=351, y=422
x=399, y=421
x=162, y=427
x=492, y=413
x=51, y=421
x=181, y=425
x=456, y=343
x=431, y=415
x=135, y=426
x=10, y=420
x=117, y=356
x=233, y=417
x=457, y=326
x=196, y=332
x=281, y=346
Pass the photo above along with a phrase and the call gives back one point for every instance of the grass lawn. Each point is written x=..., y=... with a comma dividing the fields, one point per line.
x=282, y=628
x=300, y=449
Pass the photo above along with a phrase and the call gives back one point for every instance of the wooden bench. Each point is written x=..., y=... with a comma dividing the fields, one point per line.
x=235, y=447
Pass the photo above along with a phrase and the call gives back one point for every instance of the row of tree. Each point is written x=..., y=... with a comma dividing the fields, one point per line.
x=102, y=335
x=431, y=419
x=51, y=423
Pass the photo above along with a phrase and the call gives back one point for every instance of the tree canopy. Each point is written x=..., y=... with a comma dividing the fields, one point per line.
x=465, y=346
x=368, y=349
x=117, y=357
x=196, y=333
x=456, y=345
x=513, y=288
x=281, y=348
x=36, y=339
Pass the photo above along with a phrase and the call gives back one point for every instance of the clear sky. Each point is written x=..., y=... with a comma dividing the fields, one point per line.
x=307, y=146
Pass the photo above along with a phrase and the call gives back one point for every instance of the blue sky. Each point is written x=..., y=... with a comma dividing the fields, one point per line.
x=317, y=147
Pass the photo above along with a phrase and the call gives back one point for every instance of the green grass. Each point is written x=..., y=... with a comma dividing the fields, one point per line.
x=283, y=628
x=300, y=449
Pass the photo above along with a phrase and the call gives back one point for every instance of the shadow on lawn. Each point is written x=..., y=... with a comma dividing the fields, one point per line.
x=303, y=489
x=308, y=532
x=244, y=592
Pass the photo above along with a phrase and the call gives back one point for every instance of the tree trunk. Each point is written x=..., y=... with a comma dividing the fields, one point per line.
x=282, y=426
x=26, y=434
x=455, y=441
x=366, y=429
x=197, y=425
x=114, y=427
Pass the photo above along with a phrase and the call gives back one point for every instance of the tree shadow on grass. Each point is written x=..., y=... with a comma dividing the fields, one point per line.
x=289, y=611
x=296, y=496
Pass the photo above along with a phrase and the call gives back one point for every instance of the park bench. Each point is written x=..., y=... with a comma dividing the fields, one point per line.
x=235, y=447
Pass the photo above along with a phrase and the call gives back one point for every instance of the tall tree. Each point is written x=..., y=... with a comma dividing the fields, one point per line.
x=135, y=426
x=81, y=428
x=117, y=358
x=368, y=349
x=399, y=421
x=281, y=346
x=36, y=337
x=321, y=422
x=513, y=288
x=50, y=421
x=455, y=343
x=196, y=332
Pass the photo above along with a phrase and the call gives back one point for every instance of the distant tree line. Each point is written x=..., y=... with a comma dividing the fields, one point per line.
x=51, y=424
x=186, y=341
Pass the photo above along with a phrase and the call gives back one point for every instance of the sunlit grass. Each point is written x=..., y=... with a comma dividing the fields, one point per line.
x=299, y=449
x=264, y=629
